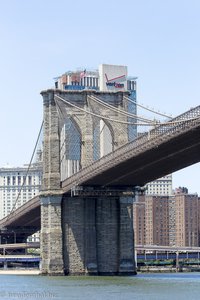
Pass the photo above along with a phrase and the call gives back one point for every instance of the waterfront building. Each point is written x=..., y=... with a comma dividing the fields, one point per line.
x=151, y=220
x=172, y=220
x=183, y=216
x=167, y=220
x=157, y=220
x=187, y=225
x=139, y=221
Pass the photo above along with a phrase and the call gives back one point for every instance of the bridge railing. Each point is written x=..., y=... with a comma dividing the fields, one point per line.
x=154, y=136
x=177, y=123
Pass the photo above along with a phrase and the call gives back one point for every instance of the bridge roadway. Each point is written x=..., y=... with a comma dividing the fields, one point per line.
x=159, y=152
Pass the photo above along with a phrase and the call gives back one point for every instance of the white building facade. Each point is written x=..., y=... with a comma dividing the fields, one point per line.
x=18, y=185
x=161, y=186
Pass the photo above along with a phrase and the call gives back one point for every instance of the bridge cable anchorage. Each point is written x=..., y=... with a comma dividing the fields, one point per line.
x=146, y=108
x=29, y=166
x=130, y=115
x=104, y=117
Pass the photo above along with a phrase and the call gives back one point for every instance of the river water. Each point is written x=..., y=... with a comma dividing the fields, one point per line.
x=141, y=287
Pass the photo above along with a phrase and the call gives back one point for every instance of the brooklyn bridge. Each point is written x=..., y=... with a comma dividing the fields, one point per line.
x=93, y=166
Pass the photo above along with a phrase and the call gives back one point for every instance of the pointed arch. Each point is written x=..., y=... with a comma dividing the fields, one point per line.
x=70, y=148
x=103, y=137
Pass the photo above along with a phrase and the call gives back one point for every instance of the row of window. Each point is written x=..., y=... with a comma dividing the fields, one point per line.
x=19, y=180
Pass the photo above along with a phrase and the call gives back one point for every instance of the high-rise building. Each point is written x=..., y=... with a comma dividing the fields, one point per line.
x=187, y=225
x=151, y=220
x=172, y=220
x=167, y=220
x=18, y=185
x=108, y=78
x=139, y=221
x=157, y=220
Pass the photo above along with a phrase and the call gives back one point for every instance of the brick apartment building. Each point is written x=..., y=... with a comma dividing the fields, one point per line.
x=167, y=220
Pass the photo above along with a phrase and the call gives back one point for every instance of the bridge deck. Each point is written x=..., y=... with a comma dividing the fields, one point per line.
x=159, y=152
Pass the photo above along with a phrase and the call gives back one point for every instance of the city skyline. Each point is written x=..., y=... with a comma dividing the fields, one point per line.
x=157, y=41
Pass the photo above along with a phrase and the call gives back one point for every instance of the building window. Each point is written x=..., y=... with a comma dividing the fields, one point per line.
x=29, y=180
x=19, y=180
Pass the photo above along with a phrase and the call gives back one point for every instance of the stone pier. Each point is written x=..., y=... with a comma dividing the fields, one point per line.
x=51, y=236
x=98, y=236
x=87, y=236
x=85, y=233
x=51, y=194
x=126, y=243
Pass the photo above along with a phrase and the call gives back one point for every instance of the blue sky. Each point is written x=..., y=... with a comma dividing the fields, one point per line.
x=158, y=40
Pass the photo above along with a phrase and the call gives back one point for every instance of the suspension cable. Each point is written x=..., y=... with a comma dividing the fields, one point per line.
x=153, y=111
x=104, y=117
x=28, y=169
x=156, y=123
x=130, y=115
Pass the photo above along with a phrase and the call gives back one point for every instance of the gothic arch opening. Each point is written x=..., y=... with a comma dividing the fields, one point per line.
x=103, y=139
x=70, y=148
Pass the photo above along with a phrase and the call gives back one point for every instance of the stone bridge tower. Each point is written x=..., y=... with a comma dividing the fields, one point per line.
x=83, y=233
